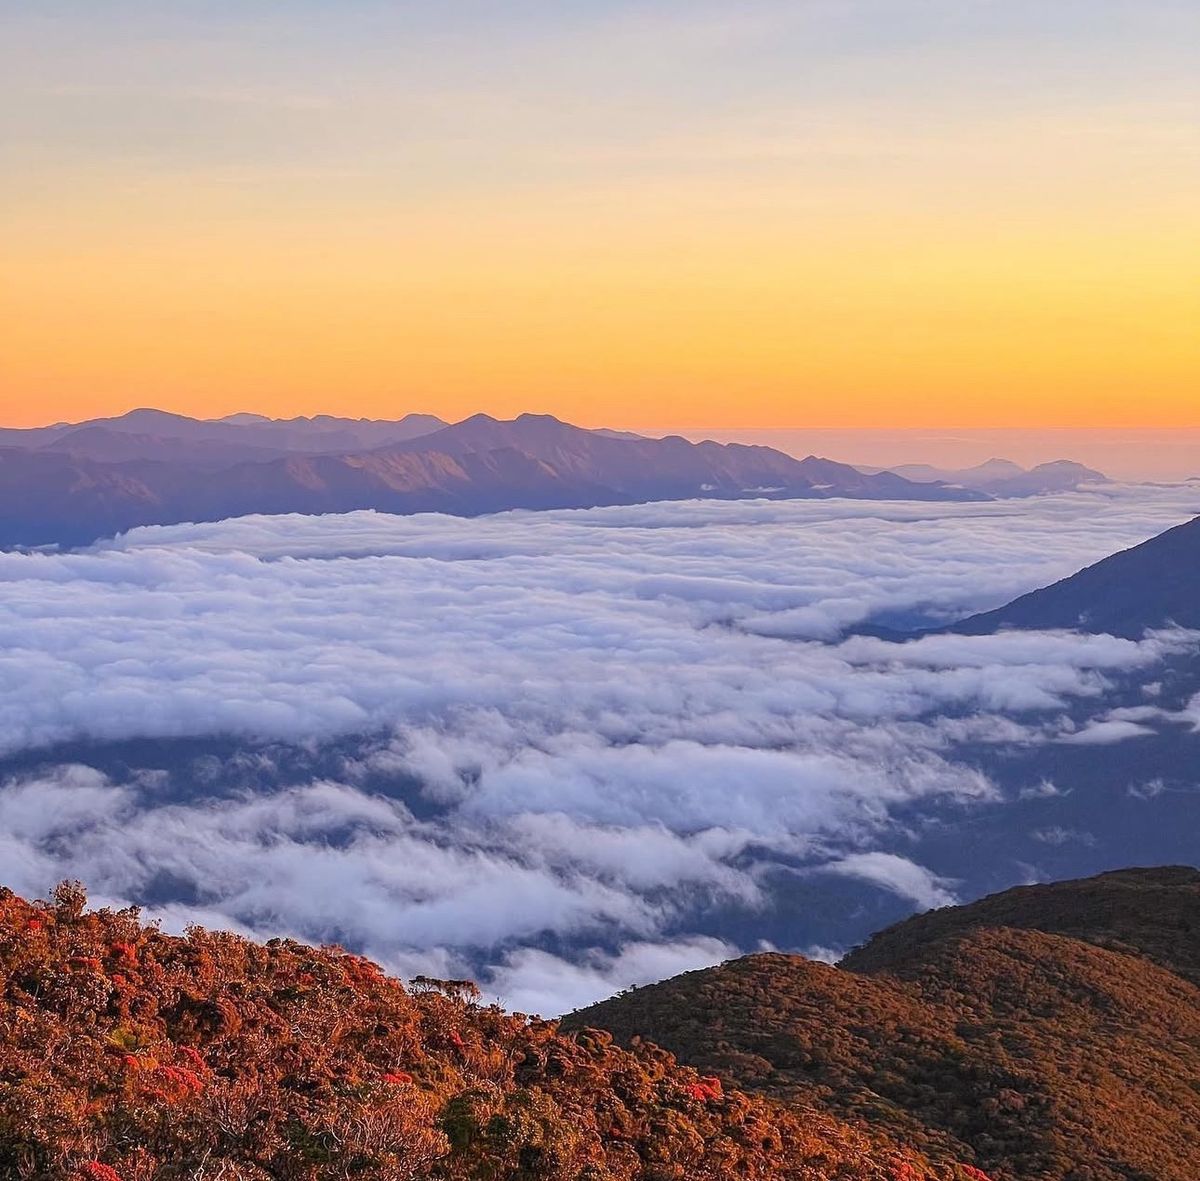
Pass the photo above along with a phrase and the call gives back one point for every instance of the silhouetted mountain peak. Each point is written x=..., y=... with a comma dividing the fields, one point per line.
x=243, y=418
x=148, y=420
x=544, y=419
x=997, y=467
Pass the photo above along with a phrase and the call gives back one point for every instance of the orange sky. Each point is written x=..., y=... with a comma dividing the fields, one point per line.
x=990, y=226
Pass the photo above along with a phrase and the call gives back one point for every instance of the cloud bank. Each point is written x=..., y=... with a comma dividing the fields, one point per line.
x=560, y=735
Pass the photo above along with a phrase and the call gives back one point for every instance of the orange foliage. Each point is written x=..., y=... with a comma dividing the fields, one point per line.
x=210, y=1056
x=1050, y=1032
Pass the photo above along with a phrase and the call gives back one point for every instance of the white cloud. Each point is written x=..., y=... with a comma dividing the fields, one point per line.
x=897, y=874
x=1191, y=713
x=533, y=981
x=1058, y=835
x=1149, y=790
x=600, y=720
x=1104, y=733
x=822, y=954
x=1044, y=790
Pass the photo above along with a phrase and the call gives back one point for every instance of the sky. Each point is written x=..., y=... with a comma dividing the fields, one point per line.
x=814, y=213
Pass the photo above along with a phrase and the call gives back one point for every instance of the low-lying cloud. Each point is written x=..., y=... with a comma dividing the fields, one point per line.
x=561, y=733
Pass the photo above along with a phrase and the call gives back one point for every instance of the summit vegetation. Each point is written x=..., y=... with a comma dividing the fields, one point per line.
x=1048, y=1033
x=130, y=1055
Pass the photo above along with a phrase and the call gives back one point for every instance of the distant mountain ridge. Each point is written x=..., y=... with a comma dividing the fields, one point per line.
x=72, y=484
x=148, y=431
x=1003, y=478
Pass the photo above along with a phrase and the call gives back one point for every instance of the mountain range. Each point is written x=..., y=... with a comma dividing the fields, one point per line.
x=72, y=484
x=158, y=434
x=1001, y=478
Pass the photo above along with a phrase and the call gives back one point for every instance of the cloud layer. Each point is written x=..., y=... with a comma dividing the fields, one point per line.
x=560, y=735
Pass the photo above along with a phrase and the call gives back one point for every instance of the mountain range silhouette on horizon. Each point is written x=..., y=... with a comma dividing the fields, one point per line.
x=73, y=483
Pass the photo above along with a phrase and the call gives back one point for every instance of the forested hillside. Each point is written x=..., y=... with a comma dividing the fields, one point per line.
x=976, y=1033
x=129, y=1055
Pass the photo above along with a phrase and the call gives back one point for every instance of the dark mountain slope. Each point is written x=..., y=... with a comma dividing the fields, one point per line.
x=1036, y=1054
x=49, y=497
x=129, y=1055
x=1151, y=585
x=397, y=481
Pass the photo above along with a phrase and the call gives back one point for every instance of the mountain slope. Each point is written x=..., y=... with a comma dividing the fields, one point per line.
x=127, y=1055
x=1153, y=913
x=48, y=497
x=1036, y=1054
x=1154, y=584
x=103, y=444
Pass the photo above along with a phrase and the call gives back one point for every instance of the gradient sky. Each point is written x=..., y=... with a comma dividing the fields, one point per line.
x=833, y=213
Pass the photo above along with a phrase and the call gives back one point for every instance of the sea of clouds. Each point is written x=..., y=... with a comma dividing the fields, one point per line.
x=557, y=733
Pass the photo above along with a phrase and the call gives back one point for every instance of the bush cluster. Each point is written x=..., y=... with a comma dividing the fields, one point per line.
x=130, y=1055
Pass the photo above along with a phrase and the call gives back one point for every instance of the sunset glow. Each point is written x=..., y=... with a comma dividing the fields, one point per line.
x=631, y=215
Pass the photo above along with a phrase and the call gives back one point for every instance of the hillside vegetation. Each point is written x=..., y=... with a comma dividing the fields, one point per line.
x=130, y=1055
x=976, y=1033
x=1153, y=913
x=1046, y=1034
